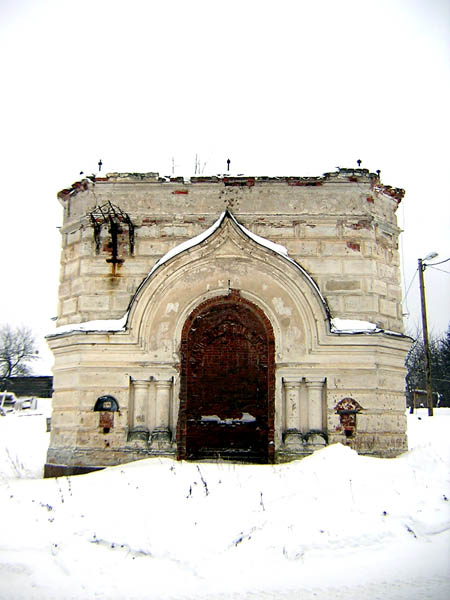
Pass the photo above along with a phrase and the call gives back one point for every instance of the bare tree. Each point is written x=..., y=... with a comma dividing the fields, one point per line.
x=17, y=350
x=440, y=366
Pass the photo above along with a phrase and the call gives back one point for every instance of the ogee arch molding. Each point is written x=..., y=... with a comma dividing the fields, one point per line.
x=229, y=259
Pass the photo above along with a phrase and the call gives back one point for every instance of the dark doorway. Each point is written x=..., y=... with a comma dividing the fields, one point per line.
x=227, y=382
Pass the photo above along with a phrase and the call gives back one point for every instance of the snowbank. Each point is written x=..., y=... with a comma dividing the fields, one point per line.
x=24, y=441
x=334, y=525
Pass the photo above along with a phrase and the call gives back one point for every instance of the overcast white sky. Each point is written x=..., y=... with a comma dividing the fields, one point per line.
x=290, y=87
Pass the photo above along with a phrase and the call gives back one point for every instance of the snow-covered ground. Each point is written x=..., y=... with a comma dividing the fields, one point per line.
x=335, y=525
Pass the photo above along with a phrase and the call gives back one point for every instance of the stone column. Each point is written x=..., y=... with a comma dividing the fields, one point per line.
x=292, y=435
x=315, y=386
x=303, y=406
x=140, y=430
x=161, y=436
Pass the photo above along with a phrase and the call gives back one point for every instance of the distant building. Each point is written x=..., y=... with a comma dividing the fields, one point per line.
x=419, y=399
x=251, y=318
x=17, y=393
x=28, y=386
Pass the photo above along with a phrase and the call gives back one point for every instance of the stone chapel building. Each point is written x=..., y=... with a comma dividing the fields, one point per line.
x=229, y=317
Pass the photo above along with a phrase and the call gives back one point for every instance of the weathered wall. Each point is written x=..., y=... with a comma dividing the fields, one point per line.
x=140, y=366
x=340, y=227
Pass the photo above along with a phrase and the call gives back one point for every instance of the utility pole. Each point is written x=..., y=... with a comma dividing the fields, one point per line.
x=426, y=345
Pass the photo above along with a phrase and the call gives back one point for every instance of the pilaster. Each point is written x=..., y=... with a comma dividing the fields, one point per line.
x=292, y=436
x=140, y=431
x=161, y=436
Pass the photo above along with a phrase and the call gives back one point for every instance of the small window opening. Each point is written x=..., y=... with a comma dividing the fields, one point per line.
x=106, y=406
x=347, y=409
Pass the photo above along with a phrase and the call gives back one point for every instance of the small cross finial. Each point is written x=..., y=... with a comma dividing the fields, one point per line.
x=359, y=161
x=100, y=165
x=228, y=164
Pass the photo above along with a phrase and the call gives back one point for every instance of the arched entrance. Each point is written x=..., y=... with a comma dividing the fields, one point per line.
x=227, y=382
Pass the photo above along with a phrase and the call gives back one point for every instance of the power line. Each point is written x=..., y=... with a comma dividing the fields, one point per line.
x=441, y=270
x=409, y=287
x=438, y=263
x=402, y=252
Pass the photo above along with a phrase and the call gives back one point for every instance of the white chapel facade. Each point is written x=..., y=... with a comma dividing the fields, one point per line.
x=245, y=318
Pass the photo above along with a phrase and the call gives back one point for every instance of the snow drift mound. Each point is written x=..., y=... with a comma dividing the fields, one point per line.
x=334, y=521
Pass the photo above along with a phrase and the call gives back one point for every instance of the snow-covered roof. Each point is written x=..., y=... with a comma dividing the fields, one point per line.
x=112, y=325
x=338, y=326
x=195, y=241
x=198, y=239
x=276, y=248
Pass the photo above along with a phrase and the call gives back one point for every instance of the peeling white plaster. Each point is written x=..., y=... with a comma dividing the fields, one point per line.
x=163, y=327
x=172, y=307
x=281, y=308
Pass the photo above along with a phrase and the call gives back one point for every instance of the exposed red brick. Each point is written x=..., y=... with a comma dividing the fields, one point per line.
x=298, y=181
x=360, y=225
x=354, y=246
x=180, y=192
x=347, y=410
x=239, y=181
x=395, y=193
x=227, y=369
x=106, y=419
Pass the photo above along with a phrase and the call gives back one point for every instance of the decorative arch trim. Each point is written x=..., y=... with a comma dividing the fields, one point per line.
x=267, y=245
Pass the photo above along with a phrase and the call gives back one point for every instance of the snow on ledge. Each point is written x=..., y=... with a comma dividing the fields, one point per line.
x=113, y=325
x=355, y=326
x=246, y=418
x=344, y=326
x=351, y=325
x=187, y=244
x=92, y=326
x=278, y=248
